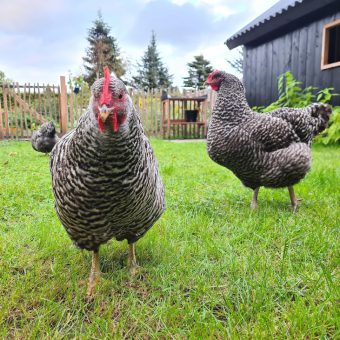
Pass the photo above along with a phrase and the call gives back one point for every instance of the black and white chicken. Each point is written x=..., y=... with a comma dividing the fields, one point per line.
x=270, y=150
x=44, y=139
x=105, y=177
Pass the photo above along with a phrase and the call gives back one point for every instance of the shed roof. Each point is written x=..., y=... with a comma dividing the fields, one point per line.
x=284, y=14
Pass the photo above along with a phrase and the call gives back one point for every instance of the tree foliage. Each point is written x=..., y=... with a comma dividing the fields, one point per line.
x=3, y=78
x=198, y=71
x=151, y=72
x=103, y=50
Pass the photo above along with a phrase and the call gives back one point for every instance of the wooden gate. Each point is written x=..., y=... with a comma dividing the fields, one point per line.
x=23, y=108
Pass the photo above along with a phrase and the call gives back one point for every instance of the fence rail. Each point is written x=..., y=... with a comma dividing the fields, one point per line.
x=24, y=107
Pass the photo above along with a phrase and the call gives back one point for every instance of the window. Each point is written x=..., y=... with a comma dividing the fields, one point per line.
x=331, y=45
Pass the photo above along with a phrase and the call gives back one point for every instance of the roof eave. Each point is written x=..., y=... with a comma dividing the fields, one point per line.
x=258, y=29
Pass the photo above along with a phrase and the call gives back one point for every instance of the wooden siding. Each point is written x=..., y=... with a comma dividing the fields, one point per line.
x=297, y=51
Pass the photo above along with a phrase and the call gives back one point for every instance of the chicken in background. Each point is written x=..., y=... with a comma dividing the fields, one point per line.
x=105, y=176
x=270, y=150
x=44, y=139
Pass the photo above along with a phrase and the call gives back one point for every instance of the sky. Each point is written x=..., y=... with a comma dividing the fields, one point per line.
x=41, y=40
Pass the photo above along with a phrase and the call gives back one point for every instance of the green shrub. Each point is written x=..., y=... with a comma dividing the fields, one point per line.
x=291, y=94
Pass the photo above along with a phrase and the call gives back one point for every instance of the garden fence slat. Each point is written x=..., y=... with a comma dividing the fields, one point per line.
x=1, y=123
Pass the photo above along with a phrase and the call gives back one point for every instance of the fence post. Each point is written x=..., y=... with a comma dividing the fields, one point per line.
x=63, y=106
x=1, y=127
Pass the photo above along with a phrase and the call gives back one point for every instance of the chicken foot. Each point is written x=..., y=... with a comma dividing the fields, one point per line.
x=95, y=273
x=132, y=261
x=293, y=199
x=254, y=200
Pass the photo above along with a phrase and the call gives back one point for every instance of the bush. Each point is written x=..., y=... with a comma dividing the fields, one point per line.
x=291, y=94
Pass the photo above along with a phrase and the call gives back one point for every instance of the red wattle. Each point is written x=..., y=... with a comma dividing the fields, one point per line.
x=115, y=125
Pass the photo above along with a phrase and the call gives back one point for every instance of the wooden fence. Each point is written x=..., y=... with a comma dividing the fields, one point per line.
x=24, y=107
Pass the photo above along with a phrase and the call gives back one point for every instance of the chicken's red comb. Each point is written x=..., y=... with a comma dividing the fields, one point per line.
x=106, y=95
x=212, y=74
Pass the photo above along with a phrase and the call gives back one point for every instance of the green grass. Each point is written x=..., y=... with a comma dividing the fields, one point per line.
x=211, y=267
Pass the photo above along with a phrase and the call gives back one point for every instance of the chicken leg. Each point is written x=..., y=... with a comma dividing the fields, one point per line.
x=293, y=199
x=95, y=273
x=254, y=200
x=132, y=262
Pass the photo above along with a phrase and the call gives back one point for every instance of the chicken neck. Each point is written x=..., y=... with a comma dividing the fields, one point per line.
x=231, y=105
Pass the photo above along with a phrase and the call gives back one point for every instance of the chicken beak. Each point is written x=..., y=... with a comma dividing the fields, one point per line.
x=104, y=112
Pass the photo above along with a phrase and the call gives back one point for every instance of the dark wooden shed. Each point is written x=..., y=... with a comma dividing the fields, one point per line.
x=301, y=36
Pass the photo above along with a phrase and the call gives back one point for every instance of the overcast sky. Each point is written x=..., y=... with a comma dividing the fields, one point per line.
x=41, y=40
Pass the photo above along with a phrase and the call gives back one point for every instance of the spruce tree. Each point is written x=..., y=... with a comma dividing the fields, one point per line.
x=151, y=71
x=198, y=71
x=103, y=50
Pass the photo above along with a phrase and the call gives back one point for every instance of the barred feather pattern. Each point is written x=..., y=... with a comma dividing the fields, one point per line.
x=44, y=139
x=271, y=150
x=106, y=185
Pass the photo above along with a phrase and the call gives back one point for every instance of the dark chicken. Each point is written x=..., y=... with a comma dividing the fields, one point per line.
x=105, y=176
x=44, y=139
x=270, y=150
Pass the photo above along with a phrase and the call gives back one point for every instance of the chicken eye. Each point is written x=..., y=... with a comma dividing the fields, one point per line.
x=120, y=96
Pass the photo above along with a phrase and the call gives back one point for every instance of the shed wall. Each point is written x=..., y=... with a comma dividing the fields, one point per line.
x=297, y=51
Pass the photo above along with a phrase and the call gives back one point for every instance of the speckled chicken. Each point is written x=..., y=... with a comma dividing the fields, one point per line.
x=44, y=139
x=270, y=150
x=105, y=177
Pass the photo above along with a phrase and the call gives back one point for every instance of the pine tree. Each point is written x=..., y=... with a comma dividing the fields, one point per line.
x=151, y=71
x=103, y=51
x=198, y=71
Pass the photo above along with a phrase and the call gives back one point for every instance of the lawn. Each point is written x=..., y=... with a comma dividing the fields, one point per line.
x=211, y=268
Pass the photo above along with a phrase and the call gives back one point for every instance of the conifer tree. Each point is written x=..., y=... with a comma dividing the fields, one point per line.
x=198, y=71
x=151, y=72
x=103, y=50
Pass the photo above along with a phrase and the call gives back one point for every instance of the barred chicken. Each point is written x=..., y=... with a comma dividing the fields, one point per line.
x=44, y=139
x=270, y=150
x=105, y=177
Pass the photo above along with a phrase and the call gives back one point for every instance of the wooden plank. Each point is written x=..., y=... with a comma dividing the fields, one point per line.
x=11, y=117
x=27, y=134
x=268, y=74
x=20, y=113
x=275, y=70
x=14, y=113
x=246, y=73
x=29, y=104
x=303, y=38
x=1, y=123
x=71, y=110
x=253, y=78
x=168, y=116
x=310, y=55
x=43, y=99
x=295, y=53
x=6, y=114
x=63, y=105
x=54, y=105
x=40, y=104
x=262, y=75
